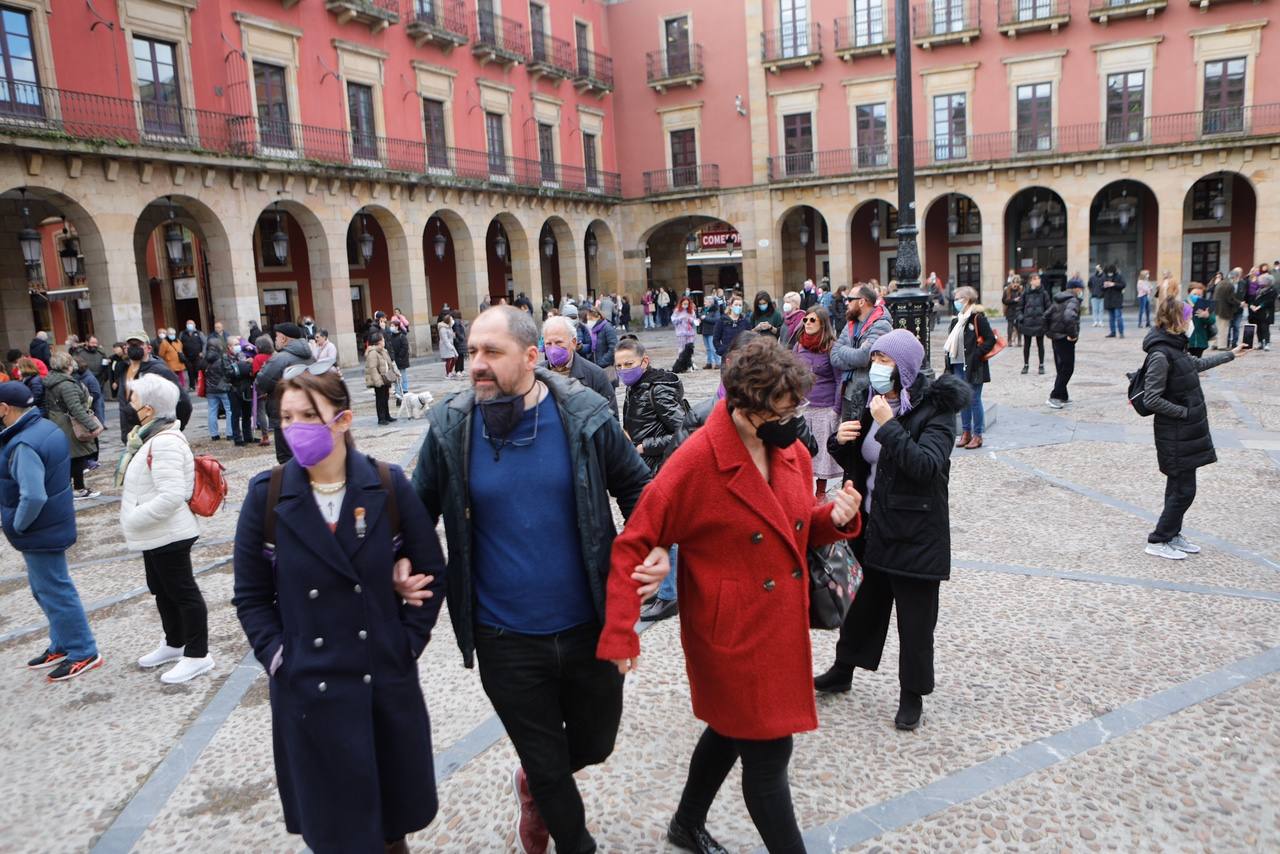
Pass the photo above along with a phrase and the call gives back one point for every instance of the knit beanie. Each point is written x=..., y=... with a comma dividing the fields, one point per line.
x=907, y=353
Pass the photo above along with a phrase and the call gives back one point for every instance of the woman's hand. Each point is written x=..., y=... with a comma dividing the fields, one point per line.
x=881, y=411
x=412, y=589
x=651, y=573
x=848, y=431
x=845, y=504
x=625, y=665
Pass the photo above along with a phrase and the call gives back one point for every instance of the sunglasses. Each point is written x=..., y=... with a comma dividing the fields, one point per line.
x=811, y=320
x=317, y=368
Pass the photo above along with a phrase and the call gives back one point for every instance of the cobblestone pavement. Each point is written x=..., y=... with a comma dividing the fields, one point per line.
x=1090, y=697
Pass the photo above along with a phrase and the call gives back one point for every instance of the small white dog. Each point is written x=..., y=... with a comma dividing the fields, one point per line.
x=415, y=404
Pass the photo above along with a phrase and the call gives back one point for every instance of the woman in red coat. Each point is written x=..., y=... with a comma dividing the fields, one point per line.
x=744, y=589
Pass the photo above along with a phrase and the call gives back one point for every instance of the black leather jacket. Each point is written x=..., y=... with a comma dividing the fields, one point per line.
x=653, y=415
x=699, y=414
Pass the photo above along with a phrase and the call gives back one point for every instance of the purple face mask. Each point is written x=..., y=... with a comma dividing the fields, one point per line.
x=630, y=376
x=310, y=443
x=557, y=357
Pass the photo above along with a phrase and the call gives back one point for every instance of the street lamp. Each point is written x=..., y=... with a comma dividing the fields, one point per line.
x=548, y=244
x=173, y=241
x=1219, y=205
x=953, y=220
x=691, y=243
x=365, y=240
x=29, y=240
x=280, y=240
x=729, y=240
x=592, y=246
x=440, y=242
x=875, y=225
x=1035, y=217
x=500, y=244
x=804, y=234
x=70, y=254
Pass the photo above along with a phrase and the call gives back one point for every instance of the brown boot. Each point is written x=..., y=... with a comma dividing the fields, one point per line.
x=975, y=442
x=964, y=439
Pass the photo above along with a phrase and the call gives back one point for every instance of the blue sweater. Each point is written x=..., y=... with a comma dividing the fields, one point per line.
x=36, y=506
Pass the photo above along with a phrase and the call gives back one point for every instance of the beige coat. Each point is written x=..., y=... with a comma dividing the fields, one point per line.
x=379, y=370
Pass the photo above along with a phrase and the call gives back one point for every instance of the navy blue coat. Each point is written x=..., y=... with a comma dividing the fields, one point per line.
x=349, y=724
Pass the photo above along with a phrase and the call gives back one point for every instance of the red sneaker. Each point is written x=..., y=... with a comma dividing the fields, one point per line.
x=532, y=836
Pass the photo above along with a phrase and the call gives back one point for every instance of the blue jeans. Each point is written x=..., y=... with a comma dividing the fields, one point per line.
x=404, y=382
x=1095, y=308
x=667, y=592
x=1117, y=320
x=972, y=417
x=713, y=359
x=1144, y=310
x=55, y=593
x=1234, y=337
x=215, y=400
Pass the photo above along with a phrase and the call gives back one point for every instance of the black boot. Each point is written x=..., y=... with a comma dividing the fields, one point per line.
x=837, y=680
x=1026, y=368
x=910, y=709
x=693, y=839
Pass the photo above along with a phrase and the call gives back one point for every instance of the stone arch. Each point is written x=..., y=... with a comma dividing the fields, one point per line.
x=872, y=241
x=1124, y=222
x=560, y=272
x=1043, y=248
x=510, y=272
x=670, y=265
x=601, y=271
x=1230, y=238
x=306, y=271
x=455, y=264
x=952, y=254
x=804, y=246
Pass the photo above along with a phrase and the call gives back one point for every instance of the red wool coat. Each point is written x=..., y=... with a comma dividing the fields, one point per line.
x=743, y=583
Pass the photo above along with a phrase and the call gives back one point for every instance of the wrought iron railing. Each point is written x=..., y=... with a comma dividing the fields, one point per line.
x=791, y=42
x=870, y=27
x=704, y=176
x=595, y=68
x=555, y=53
x=1115, y=134
x=673, y=62
x=1013, y=12
x=499, y=33
x=1118, y=6
x=447, y=18
x=937, y=19
x=43, y=111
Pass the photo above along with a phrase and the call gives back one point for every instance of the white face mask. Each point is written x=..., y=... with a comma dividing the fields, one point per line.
x=786, y=307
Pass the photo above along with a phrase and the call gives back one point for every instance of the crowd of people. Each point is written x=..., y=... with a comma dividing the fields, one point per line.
x=817, y=387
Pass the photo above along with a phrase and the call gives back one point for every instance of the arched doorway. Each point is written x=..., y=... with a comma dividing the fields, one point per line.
x=1035, y=227
x=282, y=265
x=506, y=257
x=1219, y=216
x=803, y=238
x=183, y=259
x=1123, y=224
x=557, y=254
x=600, y=255
x=695, y=253
x=873, y=241
x=368, y=270
x=54, y=272
x=953, y=242
x=444, y=239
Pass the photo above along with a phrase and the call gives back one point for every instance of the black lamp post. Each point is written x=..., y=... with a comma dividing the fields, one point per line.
x=69, y=255
x=29, y=242
x=173, y=242
x=908, y=305
x=592, y=245
x=280, y=239
x=440, y=242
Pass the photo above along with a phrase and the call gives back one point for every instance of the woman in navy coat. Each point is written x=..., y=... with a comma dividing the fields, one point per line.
x=349, y=725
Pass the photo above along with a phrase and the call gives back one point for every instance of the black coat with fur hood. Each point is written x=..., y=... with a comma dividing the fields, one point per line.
x=908, y=530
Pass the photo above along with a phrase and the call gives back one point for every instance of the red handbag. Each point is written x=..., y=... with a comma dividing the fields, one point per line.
x=996, y=348
x=200, y=384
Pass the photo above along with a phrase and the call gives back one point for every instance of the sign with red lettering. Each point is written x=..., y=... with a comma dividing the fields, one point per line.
x=719, y=239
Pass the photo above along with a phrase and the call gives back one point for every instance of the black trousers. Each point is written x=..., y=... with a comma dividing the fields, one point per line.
x=193, y=374
x=77, y=470
x=561, y=707
x=1026, y=347
x=1179, y=494
x=867, y=625
x=1264, y=332
x=183, y=614
x=241, y=424
x=380, y=396
x=1064, y=363
x=764, y=786
x=283, y=453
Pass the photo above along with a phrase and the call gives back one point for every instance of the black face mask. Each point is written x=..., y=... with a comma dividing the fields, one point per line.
x=501, y=414
x=779, y=434
x=135, y=352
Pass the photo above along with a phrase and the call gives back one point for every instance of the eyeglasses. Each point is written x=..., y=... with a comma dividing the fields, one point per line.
x=810, y=320
x=317, y=368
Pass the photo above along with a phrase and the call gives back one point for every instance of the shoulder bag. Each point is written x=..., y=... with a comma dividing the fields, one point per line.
x=834, y=578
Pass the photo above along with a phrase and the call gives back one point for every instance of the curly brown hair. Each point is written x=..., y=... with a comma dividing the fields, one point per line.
x=765, y=379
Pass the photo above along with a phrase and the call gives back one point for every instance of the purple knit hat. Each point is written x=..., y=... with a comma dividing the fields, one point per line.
x=907, y=353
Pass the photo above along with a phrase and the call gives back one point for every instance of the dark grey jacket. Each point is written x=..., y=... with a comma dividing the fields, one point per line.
x=294, y=353
x=604, y=464
x=1172, y=392
x=593, y=377
x=852, y=354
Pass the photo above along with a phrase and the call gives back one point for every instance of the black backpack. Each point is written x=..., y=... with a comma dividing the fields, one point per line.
x=1137, y=389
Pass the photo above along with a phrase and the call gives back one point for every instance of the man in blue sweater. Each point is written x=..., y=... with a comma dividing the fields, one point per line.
x=39, y=518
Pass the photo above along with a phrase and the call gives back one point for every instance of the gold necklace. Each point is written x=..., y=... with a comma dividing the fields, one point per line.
x=329, y=488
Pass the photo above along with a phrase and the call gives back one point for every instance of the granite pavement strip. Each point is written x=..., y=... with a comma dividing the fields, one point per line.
x=1053, y=620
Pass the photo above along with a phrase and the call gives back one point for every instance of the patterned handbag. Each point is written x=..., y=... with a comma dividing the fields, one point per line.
x=834, y=578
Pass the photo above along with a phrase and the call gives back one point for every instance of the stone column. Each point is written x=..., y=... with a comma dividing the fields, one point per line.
x=235, y=289
x=331, y=290
x=1169, y=230
x=409, y=286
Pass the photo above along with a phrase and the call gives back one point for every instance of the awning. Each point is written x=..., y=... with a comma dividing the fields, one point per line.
x=62, y=293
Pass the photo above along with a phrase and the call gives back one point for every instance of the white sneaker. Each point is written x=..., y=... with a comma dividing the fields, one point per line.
x=81, y=494
x=1165, y=550
x=162, y=654
x=186, y=669
x=1182, y=544
x=1055, y=404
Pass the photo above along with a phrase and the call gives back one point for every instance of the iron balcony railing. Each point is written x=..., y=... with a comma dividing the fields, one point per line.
x=1116, y=134
x=553, y=53
x=672, y=63
x=41, y=111
x=936, y=19
x=500, y=34
x=791, y=42
x=594, y=68
x=704, y=176
x=446, y=18
x=870, y=28
x=1118, y=8
x=1010, y=13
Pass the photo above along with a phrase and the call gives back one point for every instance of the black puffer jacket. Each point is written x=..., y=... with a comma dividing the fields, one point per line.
x=1033, y=314
x=1172, y=392
x=1113, y=297
x=698, y=415
x=217, y=371
x=398, y=345
x=908, y=531
x=1064, y=316
x=653, y=415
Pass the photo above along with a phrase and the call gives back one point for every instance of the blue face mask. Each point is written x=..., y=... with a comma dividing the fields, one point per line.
x=881, y=377
x=959, y=304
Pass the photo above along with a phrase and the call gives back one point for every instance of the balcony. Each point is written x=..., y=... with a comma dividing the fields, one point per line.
x=1103, y=11
x=439, y=22
x=594, y=73
x=1134, y=137
x=377, y=15
x=551, y=57
x=683, y=179
x=1025, y=16
x=63, y=118
x=791, y=47
x=940, y=22
x=870, y=35
x=498, y=39
x=669, y=68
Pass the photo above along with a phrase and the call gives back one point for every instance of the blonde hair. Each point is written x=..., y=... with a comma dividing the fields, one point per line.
x=1168, y=289
x=1169, y=315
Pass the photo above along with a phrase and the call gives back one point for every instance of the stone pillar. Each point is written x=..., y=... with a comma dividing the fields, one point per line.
x=111, y=272
x=1078, y=205
x=838, y=252
x=995, y=260
x=233, y=280
x=471, y=263
x=668, y=263
x=331, y=290
x=1169, y=232
x=409, y=285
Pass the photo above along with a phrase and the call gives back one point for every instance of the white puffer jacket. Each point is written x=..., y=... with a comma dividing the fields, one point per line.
x=153, y=506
